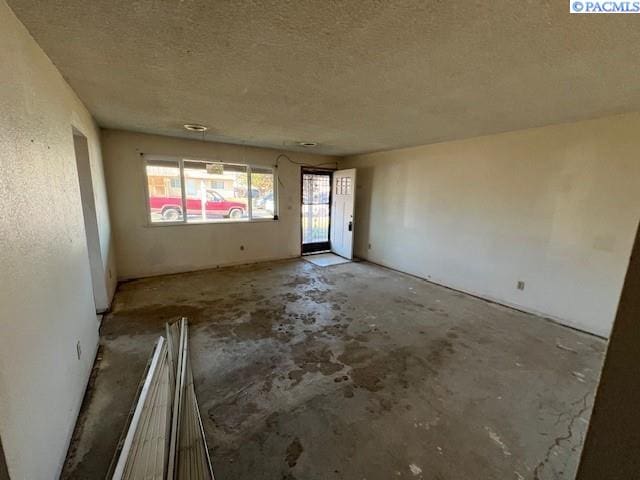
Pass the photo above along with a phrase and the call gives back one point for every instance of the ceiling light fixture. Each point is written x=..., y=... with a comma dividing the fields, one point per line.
x=195, y=127
x=307, y=144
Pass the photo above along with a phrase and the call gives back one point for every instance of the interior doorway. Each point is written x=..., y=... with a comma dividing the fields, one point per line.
x=98, y=281
x=316, y=210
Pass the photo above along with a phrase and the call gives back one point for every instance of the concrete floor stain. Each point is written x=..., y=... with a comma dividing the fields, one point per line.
x=344, y=364
x=294, y=450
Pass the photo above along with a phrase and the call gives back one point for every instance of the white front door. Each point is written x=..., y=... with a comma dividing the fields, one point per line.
x=344, y=190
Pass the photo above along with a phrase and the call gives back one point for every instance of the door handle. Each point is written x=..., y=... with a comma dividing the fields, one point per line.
x=351, y=226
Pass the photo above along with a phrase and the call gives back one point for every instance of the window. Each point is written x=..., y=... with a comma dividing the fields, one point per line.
x=343, y=186
x=193, y=189
x=197, y=191
x=165, y=191
x=262, y=199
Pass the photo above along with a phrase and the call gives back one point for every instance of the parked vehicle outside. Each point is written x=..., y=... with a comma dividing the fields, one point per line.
x=266, y=203
x=216, y=206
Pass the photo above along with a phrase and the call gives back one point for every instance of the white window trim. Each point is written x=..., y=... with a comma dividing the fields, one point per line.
x=180, y=161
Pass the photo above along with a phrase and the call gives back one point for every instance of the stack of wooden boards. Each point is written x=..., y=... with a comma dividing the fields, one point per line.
x=164, y=438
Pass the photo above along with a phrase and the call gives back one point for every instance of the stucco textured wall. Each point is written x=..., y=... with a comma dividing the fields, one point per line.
x=145, y=250
x=46, y=300
x=555, y=207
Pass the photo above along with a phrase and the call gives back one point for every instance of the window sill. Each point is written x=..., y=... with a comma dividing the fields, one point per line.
x=195, y=224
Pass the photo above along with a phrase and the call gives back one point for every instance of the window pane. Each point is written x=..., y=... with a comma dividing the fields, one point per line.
x=215, y=192
x=263, y=200
x=165, y=191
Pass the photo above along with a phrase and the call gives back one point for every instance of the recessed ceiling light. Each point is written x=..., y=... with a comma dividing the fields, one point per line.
x=195, y=127
x=308, y=144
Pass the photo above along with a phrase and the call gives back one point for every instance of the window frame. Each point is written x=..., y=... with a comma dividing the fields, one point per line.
x=183, y=188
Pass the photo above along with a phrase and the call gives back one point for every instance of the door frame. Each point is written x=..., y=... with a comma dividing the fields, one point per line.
x=4, y=470
x=324, y=246
x=84, y=176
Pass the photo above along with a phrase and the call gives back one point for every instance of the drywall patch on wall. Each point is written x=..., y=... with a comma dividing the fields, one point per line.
x=46, y=302
x=553, y=207
x=145, y=250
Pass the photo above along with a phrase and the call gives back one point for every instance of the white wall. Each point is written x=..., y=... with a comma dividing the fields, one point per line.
x=46, y=302
x=145, y=250
x=556, y=207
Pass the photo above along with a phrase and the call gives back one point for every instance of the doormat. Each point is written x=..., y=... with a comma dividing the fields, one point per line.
x=326, y=259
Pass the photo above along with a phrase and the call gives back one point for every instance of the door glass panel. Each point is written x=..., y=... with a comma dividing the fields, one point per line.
x=315, y=208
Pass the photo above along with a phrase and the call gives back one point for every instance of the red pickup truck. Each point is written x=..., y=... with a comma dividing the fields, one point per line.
x=216, y=206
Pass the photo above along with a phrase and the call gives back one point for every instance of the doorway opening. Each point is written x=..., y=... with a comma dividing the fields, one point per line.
x=316, y=210
x=83, y=164
x=327, y=211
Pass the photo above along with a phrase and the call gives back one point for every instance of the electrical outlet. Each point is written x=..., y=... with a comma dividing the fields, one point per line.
x=369, y=246
x=241, y=247
x=79, y=349
x=520, y=285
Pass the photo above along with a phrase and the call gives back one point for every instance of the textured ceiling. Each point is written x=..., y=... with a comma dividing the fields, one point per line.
x=354, y=75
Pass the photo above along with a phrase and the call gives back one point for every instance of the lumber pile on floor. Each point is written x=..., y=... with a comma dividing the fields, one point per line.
x=164, y=438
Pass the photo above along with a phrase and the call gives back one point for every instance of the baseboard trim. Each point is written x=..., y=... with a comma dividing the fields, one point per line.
x=178, y=271
x=545, y=316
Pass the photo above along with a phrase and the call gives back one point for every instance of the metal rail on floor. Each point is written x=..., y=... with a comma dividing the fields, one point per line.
x=165, y=437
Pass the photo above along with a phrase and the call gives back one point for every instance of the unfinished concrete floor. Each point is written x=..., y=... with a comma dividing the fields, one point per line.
x=351, y=372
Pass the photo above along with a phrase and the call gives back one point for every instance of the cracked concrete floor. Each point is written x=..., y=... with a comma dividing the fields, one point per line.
x=349, y=372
